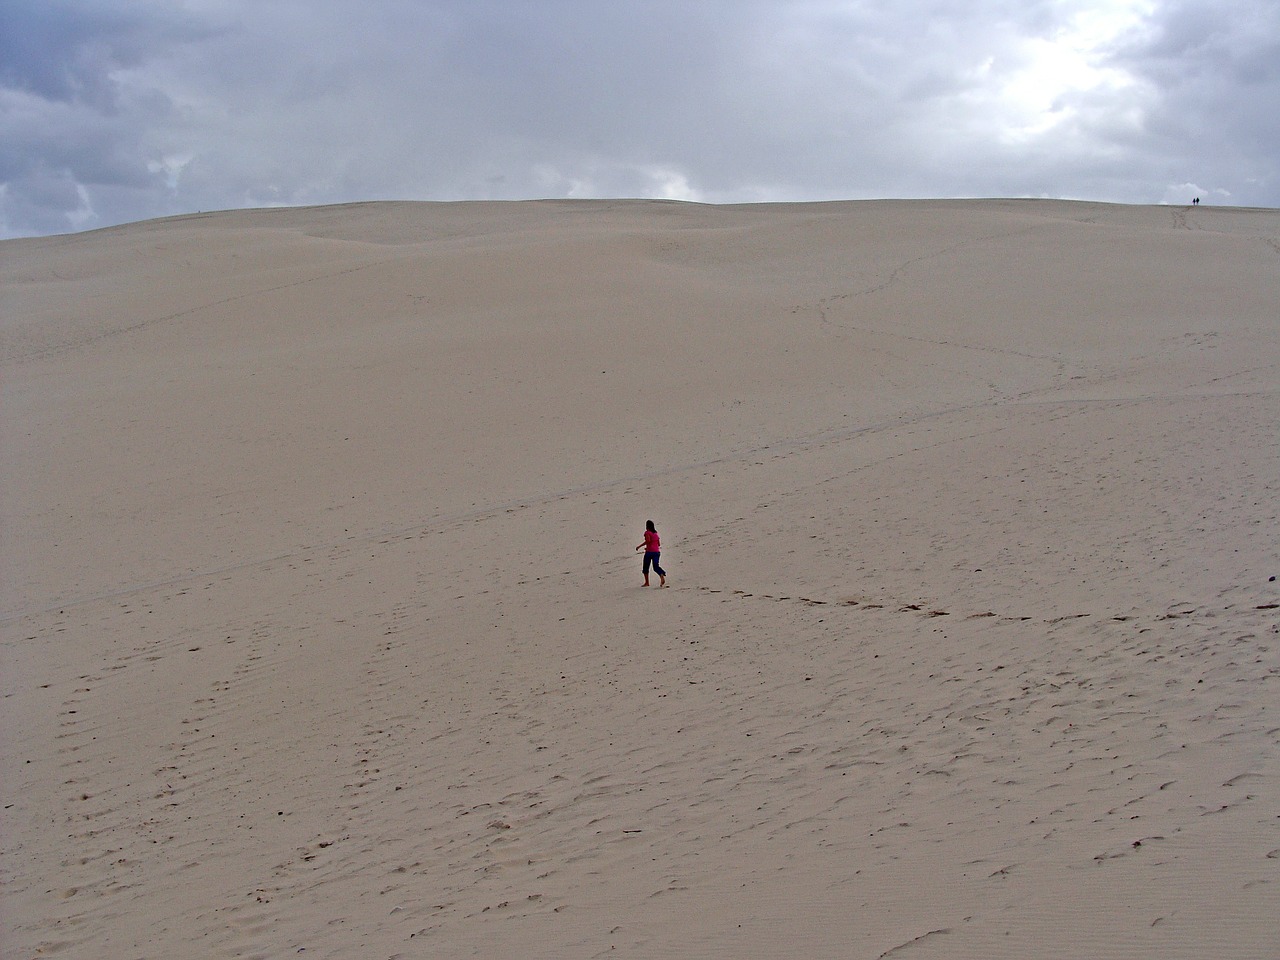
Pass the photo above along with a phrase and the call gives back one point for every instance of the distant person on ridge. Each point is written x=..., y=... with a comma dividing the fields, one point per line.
x=652, y=548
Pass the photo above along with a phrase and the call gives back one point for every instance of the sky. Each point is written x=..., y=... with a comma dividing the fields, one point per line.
x=114, y=111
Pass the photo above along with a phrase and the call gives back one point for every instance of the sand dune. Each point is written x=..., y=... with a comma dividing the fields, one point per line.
x=323, y=632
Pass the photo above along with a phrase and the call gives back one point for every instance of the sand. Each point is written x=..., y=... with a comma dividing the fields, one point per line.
x=322, y=625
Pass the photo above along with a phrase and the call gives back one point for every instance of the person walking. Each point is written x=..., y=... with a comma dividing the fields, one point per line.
x=652, y=548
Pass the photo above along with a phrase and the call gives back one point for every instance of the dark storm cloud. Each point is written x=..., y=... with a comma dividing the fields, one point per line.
x=112, y=112
x=1217, y=119
x=69, y=126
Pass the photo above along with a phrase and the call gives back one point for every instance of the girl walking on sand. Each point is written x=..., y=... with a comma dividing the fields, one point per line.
x=652, y=548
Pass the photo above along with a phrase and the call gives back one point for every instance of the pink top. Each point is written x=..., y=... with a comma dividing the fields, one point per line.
x=651, y=542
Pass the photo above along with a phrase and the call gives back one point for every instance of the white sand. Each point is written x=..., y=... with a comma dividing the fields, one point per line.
x=323, y=632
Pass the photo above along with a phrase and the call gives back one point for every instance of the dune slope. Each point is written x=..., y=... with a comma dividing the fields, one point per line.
x=322, y=625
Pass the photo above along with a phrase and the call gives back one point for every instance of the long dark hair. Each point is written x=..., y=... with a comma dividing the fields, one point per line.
x=648, y=525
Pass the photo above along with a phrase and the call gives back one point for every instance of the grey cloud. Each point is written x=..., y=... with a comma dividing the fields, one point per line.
x=1217, y=119
x=70, y=129
x=65, y=51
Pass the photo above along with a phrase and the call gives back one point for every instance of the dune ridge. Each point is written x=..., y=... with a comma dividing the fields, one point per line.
x=322, y=625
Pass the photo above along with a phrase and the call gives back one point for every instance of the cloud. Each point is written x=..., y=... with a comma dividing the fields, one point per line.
x=1217, y=116
x=71, y=125
x=113, y=111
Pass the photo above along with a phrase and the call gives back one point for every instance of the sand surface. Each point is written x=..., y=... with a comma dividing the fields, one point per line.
x=323, y=632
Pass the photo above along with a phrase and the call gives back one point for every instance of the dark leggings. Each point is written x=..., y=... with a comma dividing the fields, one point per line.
x=650, y=557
